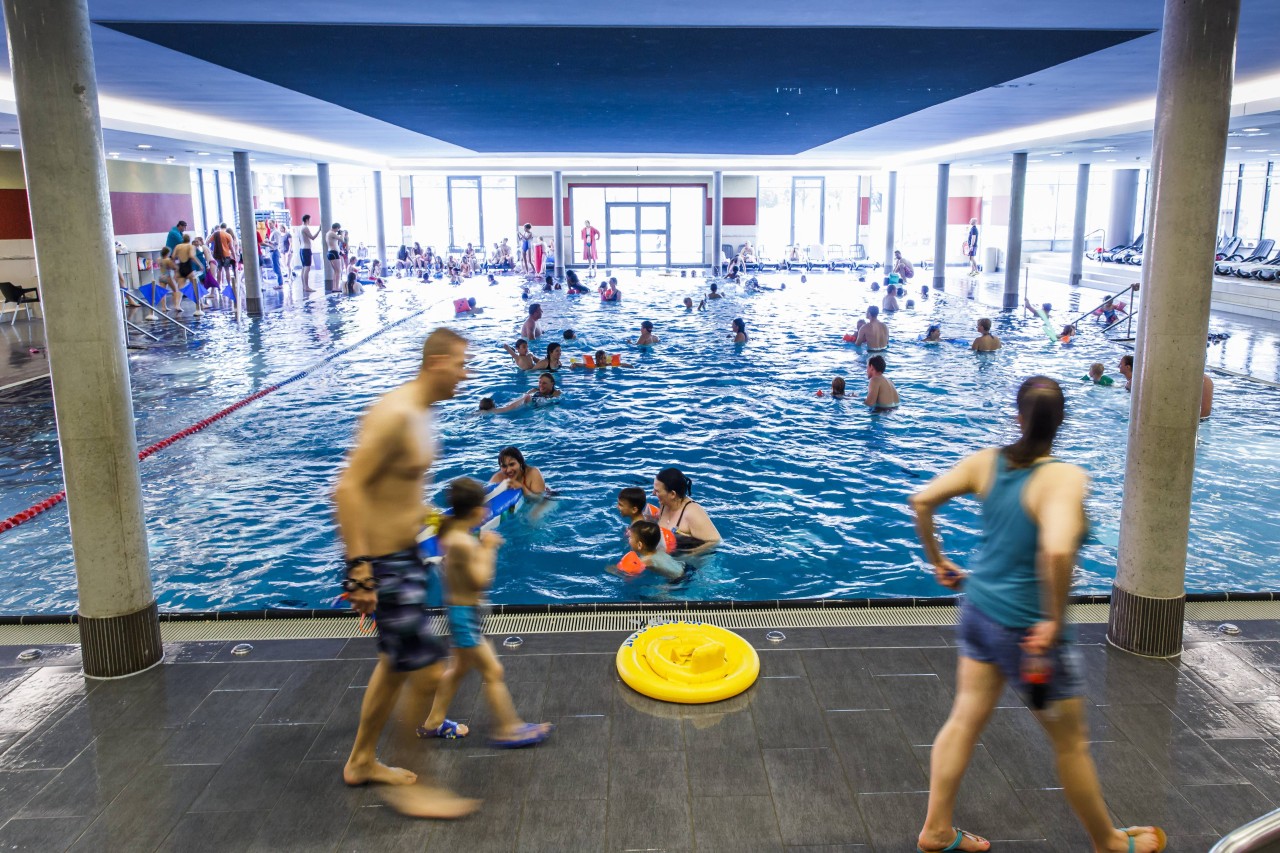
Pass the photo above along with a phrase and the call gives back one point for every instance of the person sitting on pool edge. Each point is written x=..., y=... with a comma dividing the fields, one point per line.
x=647, y=552
x=881, y=394
x=646, y=337
x=552, y=359
x=520, y=354
x=874, y=334
x=547, y=393
x=985, y=341
x=1097, y=375
x=518, y=474
x=681, y=513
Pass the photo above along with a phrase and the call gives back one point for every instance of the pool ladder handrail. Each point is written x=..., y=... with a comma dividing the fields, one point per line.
x=1257, y=836
x=1128, y=317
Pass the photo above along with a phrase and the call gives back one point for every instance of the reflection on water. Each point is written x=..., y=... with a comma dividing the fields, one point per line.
x=809, y=492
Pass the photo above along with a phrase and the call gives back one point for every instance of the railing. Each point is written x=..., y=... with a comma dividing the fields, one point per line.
x=130, y=302
x=1259, y=836
x=1101, y=231
x=1127, y=318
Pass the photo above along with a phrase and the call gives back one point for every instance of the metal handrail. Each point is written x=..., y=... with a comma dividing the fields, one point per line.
x=1101, y=231
x=1258, y=836
x=1104, y=302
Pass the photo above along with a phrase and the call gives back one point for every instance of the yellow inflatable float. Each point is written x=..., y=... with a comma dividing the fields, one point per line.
x=687, y=662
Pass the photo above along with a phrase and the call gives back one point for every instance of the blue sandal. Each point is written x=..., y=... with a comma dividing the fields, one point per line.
x=961, y=835
x=447, y=730
x=530, y=734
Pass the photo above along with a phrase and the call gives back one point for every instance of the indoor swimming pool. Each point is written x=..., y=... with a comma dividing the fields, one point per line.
x=809, y=493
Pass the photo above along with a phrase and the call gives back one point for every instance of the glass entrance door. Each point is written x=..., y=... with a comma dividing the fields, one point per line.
x=637, y=234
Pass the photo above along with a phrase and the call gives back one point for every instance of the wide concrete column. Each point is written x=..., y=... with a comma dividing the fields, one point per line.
x=857, y=220
x=326, y=222
x=717, y=218
x=1193, y=97
x=1077, y=232
x=248, y=235
x=56, y=91
x=940, y=228
x=380, y=221
x=1124, y=206
x=891, y=207
x=1013, y=250
x=557, y=220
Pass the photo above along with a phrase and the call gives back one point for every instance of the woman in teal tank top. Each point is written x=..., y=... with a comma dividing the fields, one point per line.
x=1012, y=623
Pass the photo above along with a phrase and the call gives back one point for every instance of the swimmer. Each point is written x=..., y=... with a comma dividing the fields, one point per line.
x=576, y=287
x=469, y=565
x=609, y=291
x=599, y=360
x=520, y=354
x=874, y=334
x=911, y=304
x=486, y=405
x=493, y=282
x=1043, y=313
x=1068, y=332
x=532, y=328
x=552, y=360
x=890, y=301
x=547, y=392
x=646, y=337
x=518, y=474
x=633, y=507
x=1110, y=311
x=1126, y=370
x=1097, y=375
x=881, y=394
x=679, y=512
x=985, y=341
x=715, y=292
x=688, y=303
x=837, y=387
x=739, y=335
x=570, y=335
x=1206, y=397
x=934, y=334
x=646, y=543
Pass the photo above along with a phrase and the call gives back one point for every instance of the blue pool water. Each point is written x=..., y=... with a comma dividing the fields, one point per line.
x=809, y=493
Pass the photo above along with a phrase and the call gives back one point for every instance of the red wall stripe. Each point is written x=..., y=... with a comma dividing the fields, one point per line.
x=300, y=206
x=15, y=215
x=149, y=213
x=739, y=211
x=538, y=212
x=962, y=208
x=406, y=211
x=864, y=211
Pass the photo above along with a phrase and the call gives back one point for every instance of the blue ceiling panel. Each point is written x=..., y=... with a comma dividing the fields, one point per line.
x=660, y=90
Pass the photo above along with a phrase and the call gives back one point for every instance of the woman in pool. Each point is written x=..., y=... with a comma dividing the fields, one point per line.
x=681, y=513
x=739, y=331
x=519, y=474
x=1013, y=618
x=552, y=360
x=934, y=335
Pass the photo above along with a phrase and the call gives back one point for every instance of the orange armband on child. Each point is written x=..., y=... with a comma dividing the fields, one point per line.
x=461, y=306
x=668, y=539
x=631, y=564
x=589, y=362
x=616, y=359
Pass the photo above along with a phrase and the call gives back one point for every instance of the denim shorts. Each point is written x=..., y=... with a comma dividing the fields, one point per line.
x=404, y=633
x=987, y=641
x=465, y=626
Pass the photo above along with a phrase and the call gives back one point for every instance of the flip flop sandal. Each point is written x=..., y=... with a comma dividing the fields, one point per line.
x=447, y=730
x=961, y=835
x=1134, y=831
x=530, y=734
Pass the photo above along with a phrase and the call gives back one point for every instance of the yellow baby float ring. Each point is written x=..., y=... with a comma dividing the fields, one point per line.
x=687, y=662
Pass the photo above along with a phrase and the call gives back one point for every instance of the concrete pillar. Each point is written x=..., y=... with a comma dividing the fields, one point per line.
x=940, y=228
x=248, y=235
x=1193, y=98
x=857, y=220
x=717, y=218
x=56, y=92
x=1013, y=252
x=891, y=207
x=557, y=220
x=380, y=221
x=1077, y=233
x=326, y=222
x=1124, y=206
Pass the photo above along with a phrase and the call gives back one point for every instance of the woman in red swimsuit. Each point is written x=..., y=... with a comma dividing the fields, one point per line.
x=590, y=236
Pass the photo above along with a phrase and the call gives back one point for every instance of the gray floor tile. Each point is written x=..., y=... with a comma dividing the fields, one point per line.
x=642, y=724
x=55, y=654
x=811, y=798
x=735, y=825
x=214, y=728
x=166, y=696
x=726, y=772
x=490, y=774
x=1264, y=716
x=1020, y=747
x=574, y=763
x=146, y=810
x=287, y=650
x=1232, y=676
x=781, y=663
x=192, y=651
x=1226, y=807
x=97, y=775
x=11, y=677
x=493, y=830
x=580, y=684
x=1139, y=796
x=309, y=695
x=559, y=826
x=648, y=801
x=875, y=754
x=897, y=661
x=920, y=702
x=841, y=680
x=1190, y=844
x=45, y=691
x=253, y=675
x=313, y=809
x=526, y=667
x=1258, y=761
x=1176, y=751
x=17, y=787
x=786, y=714
x=41, y=834
x=54, y=745
x=840, y=638
x=894, y=820
x=732, y=729
x=986, y=799
x=1057, y=822
x=829, y=848
x=213, y=832
x=257, y=770
x=528, y=697
x=379, y=828
x=359, y=648
x=796, y=638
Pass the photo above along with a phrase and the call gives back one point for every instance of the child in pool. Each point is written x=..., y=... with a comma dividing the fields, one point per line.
x=837, y=387
x=647, y=552
x=600, y=359
x=469, y=564
x=1097, y=375
x=646, y=337
x=1068, y=332
x=934, y=335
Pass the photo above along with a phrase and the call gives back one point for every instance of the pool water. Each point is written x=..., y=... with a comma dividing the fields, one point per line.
x=809, y=492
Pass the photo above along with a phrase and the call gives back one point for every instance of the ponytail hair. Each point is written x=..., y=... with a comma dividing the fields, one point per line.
x=464, y=496
x=674, y=480
x=1041, y=408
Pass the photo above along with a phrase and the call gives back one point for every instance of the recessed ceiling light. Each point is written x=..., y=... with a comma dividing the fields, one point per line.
x=7, y=145
x=143, y=159
x=1233, y=147
x=1256, y=150
x=1111, y=159
x=1035, y=161
x=1055, y=154
x=202, y=153
x=1250, y=129
x=113, y=153
x=144, y=147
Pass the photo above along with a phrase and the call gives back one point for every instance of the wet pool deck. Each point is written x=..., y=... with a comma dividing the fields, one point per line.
x=827, y=752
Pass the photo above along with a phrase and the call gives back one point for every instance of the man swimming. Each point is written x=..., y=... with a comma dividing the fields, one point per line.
x=881, y=394
x=874, y=334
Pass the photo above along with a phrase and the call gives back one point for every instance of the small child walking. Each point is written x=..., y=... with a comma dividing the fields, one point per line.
x=468, y=572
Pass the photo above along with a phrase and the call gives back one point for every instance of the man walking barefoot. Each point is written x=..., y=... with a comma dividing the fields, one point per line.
x=380, y=510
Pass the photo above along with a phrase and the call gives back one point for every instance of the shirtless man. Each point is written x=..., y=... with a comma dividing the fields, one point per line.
x=520, y=354
x=1126, y=370
x=184, y=255
x=532, y=328
x=333, y=254
x=880, y=392
x=985, y=341
x=380, y=510
x=875, y=334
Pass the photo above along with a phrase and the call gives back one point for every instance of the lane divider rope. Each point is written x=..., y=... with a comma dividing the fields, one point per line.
x=52, y=501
